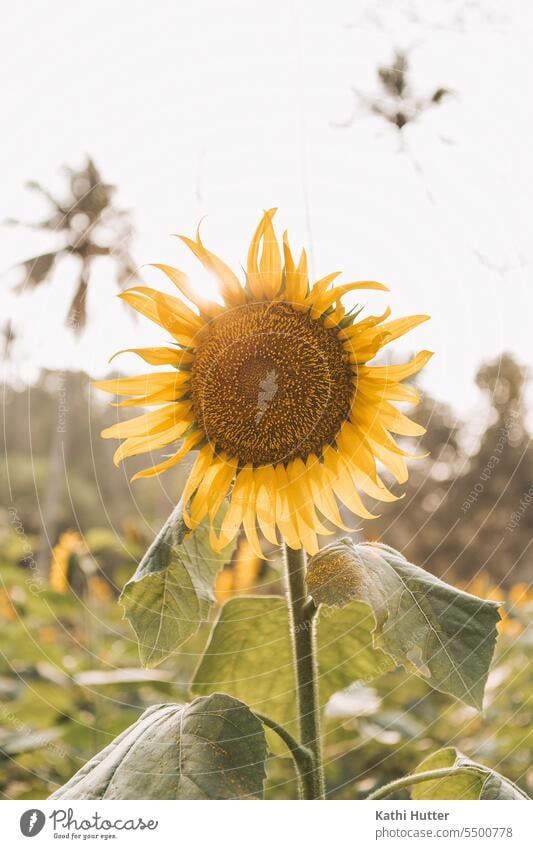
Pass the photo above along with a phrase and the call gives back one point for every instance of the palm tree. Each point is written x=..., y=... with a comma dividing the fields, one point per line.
x=89, y=226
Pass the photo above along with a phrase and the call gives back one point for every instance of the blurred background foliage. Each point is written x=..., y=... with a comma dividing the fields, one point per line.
x=69, y=672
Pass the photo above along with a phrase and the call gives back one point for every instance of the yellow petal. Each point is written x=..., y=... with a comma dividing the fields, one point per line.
x=369, y=424
x=162, y=396
x=148, y=423
x=159, y=356
x=230, y=288
x=172, y=305
x=261, y=277
x=361, y=464
x=295, y=278
x=145, y=444
x=328, y=298
x=212, y=490
x=318, y=291
x=363, y=325
x=372, y=389
x=392, y=461
x=265, y=494
x=297, y=474
x=336, y=316
x=233, y=519
x=343, y=485
x=285, y=518
x=322, y=493
x=182, y=282
x=200, y=466
x=188, y=444
x=223, y=482
x=270, y=262
x=249, y=519
x=399, y=372
x=143, y=384
x=400, y=326
x=180, y=330
x=397, y=422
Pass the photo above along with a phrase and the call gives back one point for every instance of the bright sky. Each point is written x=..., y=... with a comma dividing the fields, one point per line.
x=225, y=108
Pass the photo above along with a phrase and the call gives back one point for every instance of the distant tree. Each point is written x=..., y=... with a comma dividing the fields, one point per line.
x=89, y=226
x=464, y=515
x=396, y=100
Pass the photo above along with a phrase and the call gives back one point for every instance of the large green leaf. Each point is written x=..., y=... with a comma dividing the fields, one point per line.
x=470, y=780
x=249, y=655
x=172, y=589
x=445, y=635
x=213, y=748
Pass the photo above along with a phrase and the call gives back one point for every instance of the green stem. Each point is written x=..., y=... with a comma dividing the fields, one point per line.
x=409, y=780
x=303, y=632
x=303, y=758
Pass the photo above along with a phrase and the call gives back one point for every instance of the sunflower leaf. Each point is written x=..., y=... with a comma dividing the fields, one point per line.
x=249, y=655
x=470, y=780
x=171, y=592
x=213, y=748
x=441, y=633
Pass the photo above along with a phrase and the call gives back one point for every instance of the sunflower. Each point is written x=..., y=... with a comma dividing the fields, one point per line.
x=274, y=391
x=69, y=547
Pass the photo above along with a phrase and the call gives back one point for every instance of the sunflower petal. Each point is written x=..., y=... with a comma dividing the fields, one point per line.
x=144, y=444
x=149, y=423
x=249, y=519
x=365, y=324
x=343, y=485
x=230, y=287
x=262, y=275
x=233, y=519
x=270, y=262
x=328, y=298
x=323, y=494
x=285, y=518
x=182, y=282
x=188, y=445
x=295, y=277
x=159, y=356
x=171, y=322
x=143, y=384
x=213, y=489
x=265, y=489
x=399, y=372
x=200, y=466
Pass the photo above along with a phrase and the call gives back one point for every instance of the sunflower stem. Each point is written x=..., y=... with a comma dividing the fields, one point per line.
x=303, y=632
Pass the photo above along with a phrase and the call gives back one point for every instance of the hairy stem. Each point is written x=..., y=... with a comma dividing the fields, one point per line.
x=409, y=780
x=303, y=632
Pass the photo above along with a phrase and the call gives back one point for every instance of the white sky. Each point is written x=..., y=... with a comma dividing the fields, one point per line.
x=225, y=108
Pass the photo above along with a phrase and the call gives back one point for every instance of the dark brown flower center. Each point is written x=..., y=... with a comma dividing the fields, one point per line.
x=270, y=384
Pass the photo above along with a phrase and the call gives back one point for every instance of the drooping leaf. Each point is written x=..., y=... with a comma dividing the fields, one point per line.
x=470, y=780
x=249, y=655
x=172, y=589
x=213, y=748
x=443, y=634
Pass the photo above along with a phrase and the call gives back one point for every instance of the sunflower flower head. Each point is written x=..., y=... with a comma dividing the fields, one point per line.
x=273, y=391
